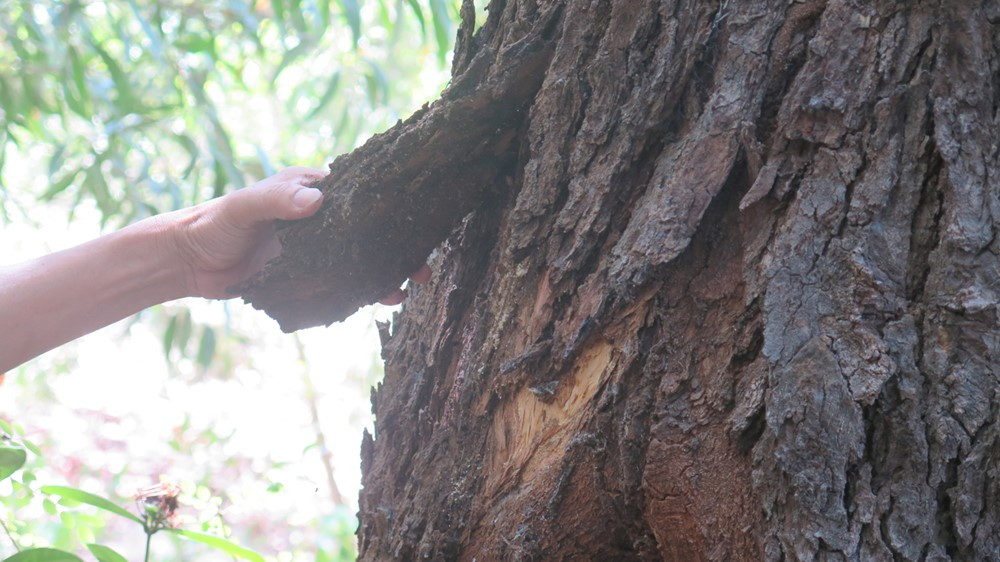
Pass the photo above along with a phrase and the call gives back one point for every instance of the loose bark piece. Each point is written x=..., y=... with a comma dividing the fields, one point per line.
x=388, y=204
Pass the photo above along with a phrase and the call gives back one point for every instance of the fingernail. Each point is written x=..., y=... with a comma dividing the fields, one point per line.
x=306, y=197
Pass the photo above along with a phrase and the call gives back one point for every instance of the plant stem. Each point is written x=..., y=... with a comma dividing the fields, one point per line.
x=310, y=398
x=9, y=536
x=148, y=536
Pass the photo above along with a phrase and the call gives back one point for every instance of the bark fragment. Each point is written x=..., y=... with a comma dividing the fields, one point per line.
x=392, y=201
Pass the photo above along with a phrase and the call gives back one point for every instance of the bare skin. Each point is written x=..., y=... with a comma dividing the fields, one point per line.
x=198, y=251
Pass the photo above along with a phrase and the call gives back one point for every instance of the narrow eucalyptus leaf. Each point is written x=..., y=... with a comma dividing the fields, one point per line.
x=352, y=13
x=206, y=348
x=59, y=186
x=55, y=162
x=327, y=97
x=442, y=27
x=168, y=336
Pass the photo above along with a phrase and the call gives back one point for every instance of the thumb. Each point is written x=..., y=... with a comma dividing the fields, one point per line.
x=287, y=200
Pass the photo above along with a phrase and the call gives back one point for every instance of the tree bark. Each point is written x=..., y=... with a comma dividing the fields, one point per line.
x=733, y=295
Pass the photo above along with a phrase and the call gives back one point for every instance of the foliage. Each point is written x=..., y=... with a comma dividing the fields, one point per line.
x=145, y=107
x=154, y=516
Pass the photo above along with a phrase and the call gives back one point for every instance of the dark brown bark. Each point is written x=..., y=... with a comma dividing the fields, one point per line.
x=739, y=301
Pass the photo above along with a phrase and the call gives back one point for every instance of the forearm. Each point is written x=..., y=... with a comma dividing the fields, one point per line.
x=56, y=298
x=198, y=251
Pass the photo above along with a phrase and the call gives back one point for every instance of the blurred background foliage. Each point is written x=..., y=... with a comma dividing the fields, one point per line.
x=114, y=111
x=151, y=106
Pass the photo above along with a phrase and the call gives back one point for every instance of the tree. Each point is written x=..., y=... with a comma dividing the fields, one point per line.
x=722, y=285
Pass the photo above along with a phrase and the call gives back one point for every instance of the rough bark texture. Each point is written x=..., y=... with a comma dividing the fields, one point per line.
x=734, y=299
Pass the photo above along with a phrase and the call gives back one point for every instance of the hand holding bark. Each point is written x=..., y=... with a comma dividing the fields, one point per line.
x=198, y=251
x=223, y=241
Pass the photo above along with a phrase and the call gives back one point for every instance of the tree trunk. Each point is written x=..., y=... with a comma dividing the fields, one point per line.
x=733, y=297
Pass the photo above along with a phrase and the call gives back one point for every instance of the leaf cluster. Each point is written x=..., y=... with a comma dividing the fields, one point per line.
x=13, y=457
x=143, y=107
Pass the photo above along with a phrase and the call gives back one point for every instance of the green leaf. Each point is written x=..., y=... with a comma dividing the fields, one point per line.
x=75, y=88
x=74, y=102
x=377, y=84
x=49, y=506
x=352, y=13
x=79, y=72
x=331, y=90
x=383, y=15
x=196, y=43
x=220, y=543
x=154, y=38
x=278, y=7
x=324, y=12
x=419, y=12
x=442, y=27
x=192, y=149
x=55, y=162
x=32, y=447
x=265, y=162
x=297, y=20
x=105, y=554
x=11, y=459
x=67, y=519
x=60, y=185
x=43, y=555
x=90, y=499
x=6, y=427
x=289, y=57
x=183, y=330
x=66, y=502
x=126, y=99
x=168, y=336
x=206, y=348
x=219, y=181
x=95, y=182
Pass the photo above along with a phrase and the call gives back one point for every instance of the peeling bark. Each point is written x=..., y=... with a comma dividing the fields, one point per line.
x=392, y=201
x=736, y=301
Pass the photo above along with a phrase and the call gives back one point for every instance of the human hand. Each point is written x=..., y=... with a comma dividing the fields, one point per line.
x=225, y=240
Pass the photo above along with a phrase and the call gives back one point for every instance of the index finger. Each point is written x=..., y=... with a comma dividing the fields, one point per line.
x=306, y=173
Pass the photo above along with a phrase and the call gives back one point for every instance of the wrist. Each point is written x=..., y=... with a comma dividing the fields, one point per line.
x=168, y=275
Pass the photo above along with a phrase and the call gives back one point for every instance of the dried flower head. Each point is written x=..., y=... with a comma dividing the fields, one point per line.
x=158, y=505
